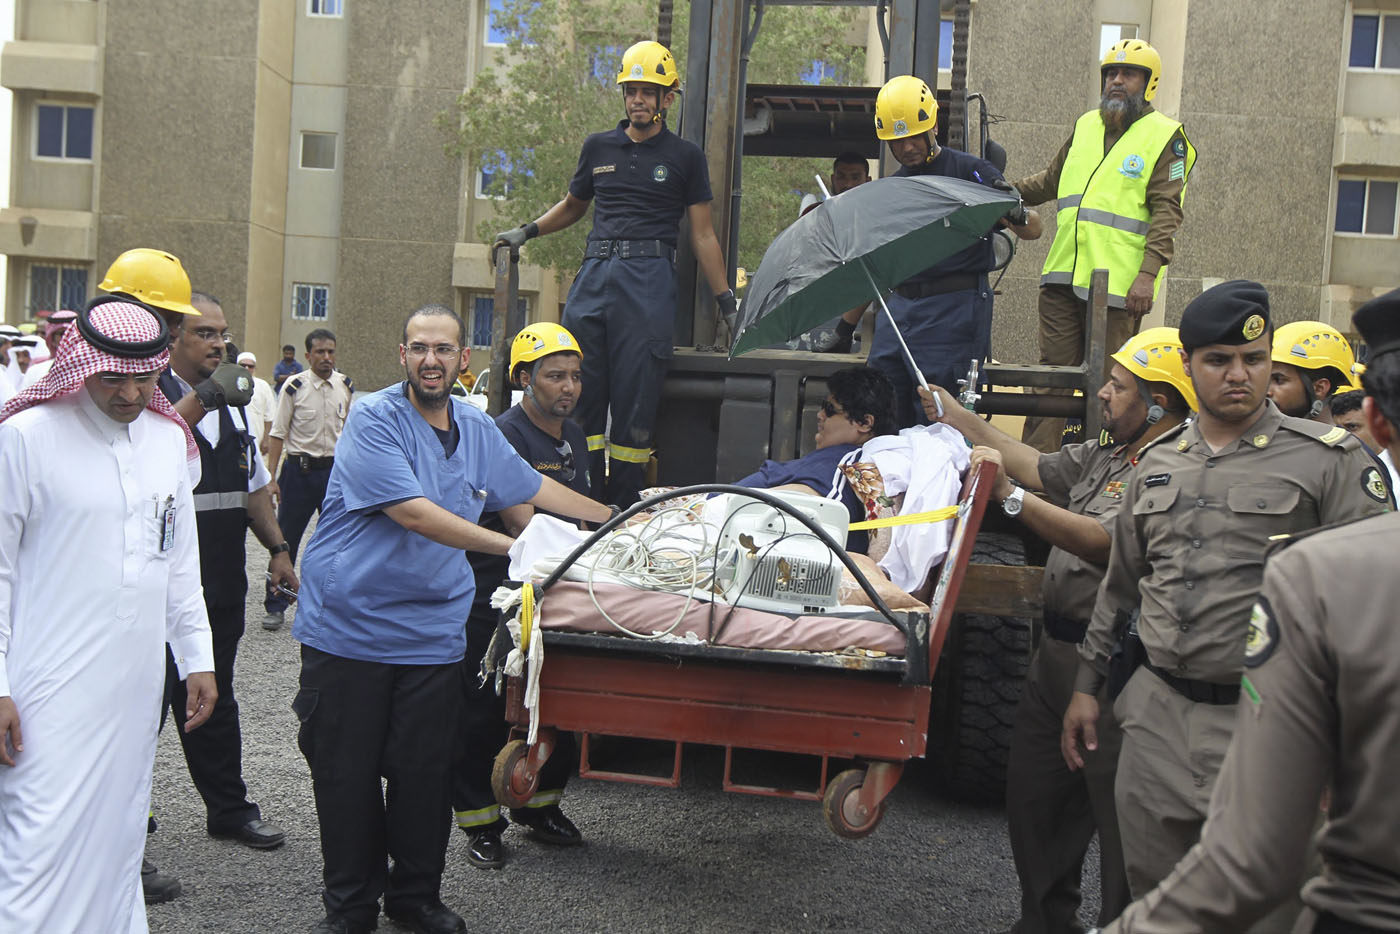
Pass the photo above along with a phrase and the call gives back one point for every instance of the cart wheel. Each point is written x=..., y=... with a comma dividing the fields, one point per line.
x=841, y=806
x=510, y=781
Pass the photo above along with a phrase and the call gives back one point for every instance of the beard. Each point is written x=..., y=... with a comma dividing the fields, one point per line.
x=1119, y=114
x=431, y=398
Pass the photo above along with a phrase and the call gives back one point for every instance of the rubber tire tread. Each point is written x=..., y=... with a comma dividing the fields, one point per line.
x=975, y=710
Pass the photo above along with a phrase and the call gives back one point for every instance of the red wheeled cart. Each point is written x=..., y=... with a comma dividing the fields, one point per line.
x=874, y=710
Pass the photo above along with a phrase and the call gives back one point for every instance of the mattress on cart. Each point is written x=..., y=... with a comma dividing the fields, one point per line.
x=568, y=606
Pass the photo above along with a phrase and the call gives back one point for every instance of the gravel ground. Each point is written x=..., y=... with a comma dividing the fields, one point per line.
x=689, y=859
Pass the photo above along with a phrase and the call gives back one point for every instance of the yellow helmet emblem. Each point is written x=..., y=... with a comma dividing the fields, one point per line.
x=1253, y=327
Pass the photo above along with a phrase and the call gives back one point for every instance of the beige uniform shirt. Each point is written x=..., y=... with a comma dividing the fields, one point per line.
x=1189, y=541
x=311, y=412
x=1321, y=702
x=1087, y=479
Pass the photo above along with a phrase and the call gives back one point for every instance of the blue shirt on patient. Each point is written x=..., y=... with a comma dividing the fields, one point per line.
x=818, y=472
x=372, y=590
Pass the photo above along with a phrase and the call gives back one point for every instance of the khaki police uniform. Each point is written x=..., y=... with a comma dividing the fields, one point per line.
x=310, y=417
x=1188, y=547
x=1052, y=813
x=1320, y=704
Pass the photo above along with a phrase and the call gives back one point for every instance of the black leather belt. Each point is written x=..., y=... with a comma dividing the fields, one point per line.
x=959, y=283
x=626, y=249
x=1064, y=629
x=1202, y=692
x=1328, y=923
x=307, y=462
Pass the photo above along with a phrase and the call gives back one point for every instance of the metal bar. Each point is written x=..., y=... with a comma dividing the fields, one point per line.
x=768, y=791
x=1044, y=377
x=586, y=770
x=507, y=260
x=1095, y=351
x=1025, y=403
x=736, y=193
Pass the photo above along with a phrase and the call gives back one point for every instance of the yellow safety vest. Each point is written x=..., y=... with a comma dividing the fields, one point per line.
x=1102, y=198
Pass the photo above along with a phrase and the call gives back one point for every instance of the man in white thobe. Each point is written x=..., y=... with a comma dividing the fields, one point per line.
x=92, y=478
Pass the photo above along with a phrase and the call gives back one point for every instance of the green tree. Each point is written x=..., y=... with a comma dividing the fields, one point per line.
x=524, y=121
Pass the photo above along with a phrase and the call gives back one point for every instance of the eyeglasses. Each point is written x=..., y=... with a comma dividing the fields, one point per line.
x=566, y=460
x=830, y=410
x=438, y=350
x=118, y=380
x=211, y=335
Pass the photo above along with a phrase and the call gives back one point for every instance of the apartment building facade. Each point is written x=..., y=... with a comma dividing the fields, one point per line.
x=287, y=151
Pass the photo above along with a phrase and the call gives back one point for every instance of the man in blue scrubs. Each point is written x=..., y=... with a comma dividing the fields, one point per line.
x=622, y=306
x=385, y=589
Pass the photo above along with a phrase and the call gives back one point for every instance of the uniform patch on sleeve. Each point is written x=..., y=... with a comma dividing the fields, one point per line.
x=1374, y=486
x=1178, y=147
x=1157, y=479
x=601, y=169
x=1262, y=637
x=1177, y=171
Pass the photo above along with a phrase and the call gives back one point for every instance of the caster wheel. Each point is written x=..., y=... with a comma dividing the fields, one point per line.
x=842, y=809
x=510, y=781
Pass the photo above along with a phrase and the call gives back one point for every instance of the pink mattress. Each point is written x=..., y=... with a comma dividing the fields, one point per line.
x=568, y=606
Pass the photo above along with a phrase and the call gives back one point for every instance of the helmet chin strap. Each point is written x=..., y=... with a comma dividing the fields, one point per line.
x=1154, y=412
x=1316, y=408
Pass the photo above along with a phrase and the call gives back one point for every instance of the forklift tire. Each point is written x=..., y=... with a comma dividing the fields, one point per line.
x=977, y=688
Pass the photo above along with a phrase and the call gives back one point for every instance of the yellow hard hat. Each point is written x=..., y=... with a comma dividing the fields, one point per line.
x=1312, y=345
x=1154, y=355
x=537, y=341
x=1136, y=54
x=152, y=277
x=650, y=62
x=905, y=107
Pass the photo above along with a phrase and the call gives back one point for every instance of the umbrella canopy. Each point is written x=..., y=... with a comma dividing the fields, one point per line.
x=886, y=231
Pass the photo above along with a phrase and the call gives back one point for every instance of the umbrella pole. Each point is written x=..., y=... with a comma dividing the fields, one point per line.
x=918, y=374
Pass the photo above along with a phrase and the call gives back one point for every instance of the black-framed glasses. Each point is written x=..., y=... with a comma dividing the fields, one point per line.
x=830, y=409
x=566, y=460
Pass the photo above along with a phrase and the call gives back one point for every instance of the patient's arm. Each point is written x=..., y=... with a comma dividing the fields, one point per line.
x=853, y=595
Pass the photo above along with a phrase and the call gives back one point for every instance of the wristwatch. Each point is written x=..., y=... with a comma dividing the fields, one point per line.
x=1012, y=504
x=284, y=548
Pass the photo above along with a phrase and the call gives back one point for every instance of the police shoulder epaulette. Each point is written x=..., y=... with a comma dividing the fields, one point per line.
x=293, y=382
x=1167, y=435
x=349, y=384
x=1332, y=435
x=1279, y=542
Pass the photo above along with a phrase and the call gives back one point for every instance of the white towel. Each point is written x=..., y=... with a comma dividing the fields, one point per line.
x=926, y=464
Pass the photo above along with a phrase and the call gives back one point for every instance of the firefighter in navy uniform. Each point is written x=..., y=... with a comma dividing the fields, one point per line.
x=944, y=312
x=230, y=497
x=622, y=304
x=545, y=362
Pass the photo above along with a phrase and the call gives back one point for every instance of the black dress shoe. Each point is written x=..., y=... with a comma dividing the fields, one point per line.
x=484, y=849
x=429, y=918
x=258, y=834
x=549, y=824
x=157, y=886
x=329, y=925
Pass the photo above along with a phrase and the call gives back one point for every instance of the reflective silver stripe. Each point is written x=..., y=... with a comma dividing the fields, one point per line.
x=204, y=502
x=1057, y=278
x=1114, y=301
x=1068, y=201
x=1117, y=221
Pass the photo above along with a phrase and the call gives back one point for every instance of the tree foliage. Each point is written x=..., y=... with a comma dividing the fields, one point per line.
x=524, y=118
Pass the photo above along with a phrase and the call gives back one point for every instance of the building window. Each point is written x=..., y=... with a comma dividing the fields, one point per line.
x=479, y=326
x=496, y=34
x=326, y=7
x=498, y=176
x=1375, y=41
x=1366, y=206
x=318, y=150
x=63, y=131
x=53, y=286
x=945, y=44
x=310, y=302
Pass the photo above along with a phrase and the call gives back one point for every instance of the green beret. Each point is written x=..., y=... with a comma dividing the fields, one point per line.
x=1378, y=322
x=1234, y=312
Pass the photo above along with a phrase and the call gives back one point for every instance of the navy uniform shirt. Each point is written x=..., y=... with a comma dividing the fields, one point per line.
x=548, y=457
x=954, y=163
x=818, y=472
x=642, y=188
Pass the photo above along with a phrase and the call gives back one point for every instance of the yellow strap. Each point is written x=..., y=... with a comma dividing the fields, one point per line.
x=527, y=615
x=914, y=518
x=629, y=455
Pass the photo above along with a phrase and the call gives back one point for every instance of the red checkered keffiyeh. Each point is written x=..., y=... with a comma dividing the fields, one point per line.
x=76, y=360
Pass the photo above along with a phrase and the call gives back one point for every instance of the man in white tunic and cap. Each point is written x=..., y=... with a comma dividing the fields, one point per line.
x=92, y=477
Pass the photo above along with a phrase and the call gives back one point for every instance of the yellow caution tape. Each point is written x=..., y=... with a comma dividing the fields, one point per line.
x=914, y=518
x=527, y=615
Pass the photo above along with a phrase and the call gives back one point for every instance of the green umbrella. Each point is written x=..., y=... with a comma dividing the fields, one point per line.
x=859, y=245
